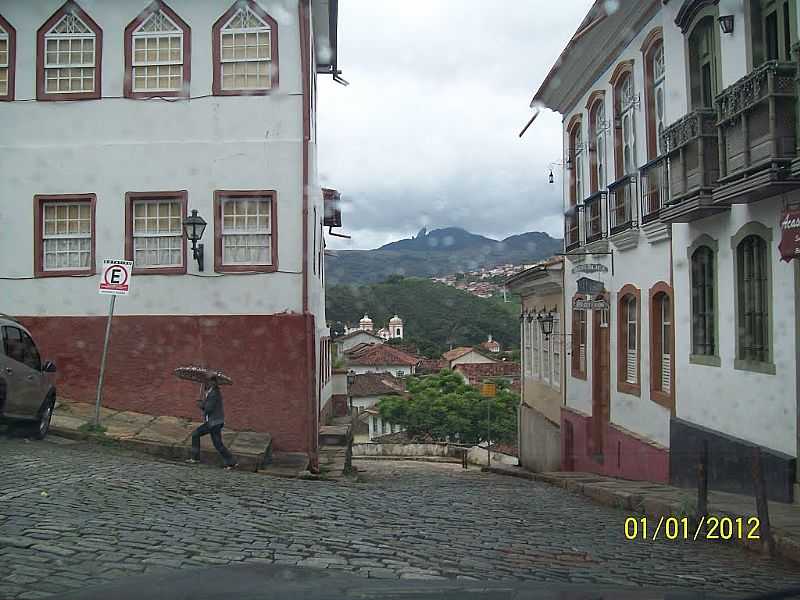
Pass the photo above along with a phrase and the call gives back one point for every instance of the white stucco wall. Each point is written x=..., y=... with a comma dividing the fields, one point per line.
x=642, y=266
x=397, y=370
x=756, y=407
x=115, y=145
x=471, y=358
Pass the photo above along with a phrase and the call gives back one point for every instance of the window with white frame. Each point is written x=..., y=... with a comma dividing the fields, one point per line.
x=157, y=61
x=5, y=52
x=535, y=349
x=526, y=335
x=246, y=52
x=246, y=230
x=627, y=103
x=157, y=233
x=578, y=163
x=66, y=236
x=659, y=100
x=556, y=348
x=631, y=340
x=70, y=57
x=600, y=145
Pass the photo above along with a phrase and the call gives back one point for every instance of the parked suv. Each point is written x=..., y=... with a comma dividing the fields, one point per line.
x=27, y=390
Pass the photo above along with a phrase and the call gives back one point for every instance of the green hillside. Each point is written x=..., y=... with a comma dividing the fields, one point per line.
x=436, y=316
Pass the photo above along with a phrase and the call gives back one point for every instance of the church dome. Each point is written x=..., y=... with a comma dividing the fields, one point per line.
x=395, y=320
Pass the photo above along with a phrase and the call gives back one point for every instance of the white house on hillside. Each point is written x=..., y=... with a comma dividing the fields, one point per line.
x=122, y=117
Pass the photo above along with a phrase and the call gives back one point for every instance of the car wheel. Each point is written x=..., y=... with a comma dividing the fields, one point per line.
x=43, y=425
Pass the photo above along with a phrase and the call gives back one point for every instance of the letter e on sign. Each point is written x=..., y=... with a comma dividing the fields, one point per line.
x=115, y=278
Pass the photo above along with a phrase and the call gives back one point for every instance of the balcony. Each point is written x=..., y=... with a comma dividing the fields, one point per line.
x=655, y=188
x=692, y=152
x=621, y=203
x=594, y=225
x=756, y=122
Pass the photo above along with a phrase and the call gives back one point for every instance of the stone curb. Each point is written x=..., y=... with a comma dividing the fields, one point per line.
x=430, y=459
x=639, y=501
x=169, y=451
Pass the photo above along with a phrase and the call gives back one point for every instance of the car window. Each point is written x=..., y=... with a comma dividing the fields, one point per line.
x=30, y=352
x=12, y=342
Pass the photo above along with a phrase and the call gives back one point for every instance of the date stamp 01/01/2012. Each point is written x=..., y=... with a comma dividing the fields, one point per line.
x=681, y=528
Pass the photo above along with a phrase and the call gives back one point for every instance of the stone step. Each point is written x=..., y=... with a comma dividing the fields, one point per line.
x=340, y=421
x=333, y=435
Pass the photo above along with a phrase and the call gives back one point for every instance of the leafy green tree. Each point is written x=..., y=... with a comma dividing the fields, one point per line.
x=442, y=406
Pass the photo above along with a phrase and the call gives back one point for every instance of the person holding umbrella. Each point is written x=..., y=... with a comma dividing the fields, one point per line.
x=213, y=421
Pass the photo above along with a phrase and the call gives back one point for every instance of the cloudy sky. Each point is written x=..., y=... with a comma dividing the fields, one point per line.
x=426, y=133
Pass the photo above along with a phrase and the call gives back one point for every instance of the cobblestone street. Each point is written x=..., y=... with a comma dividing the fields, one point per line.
x=74, y=515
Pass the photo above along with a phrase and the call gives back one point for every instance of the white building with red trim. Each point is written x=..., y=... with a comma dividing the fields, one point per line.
x=120, y=118
x=681, y=160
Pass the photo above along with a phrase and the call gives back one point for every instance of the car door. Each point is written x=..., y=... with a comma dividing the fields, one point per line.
x=35, y=381
x=21, y=380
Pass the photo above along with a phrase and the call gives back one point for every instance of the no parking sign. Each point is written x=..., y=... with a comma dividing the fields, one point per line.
x=115, y=279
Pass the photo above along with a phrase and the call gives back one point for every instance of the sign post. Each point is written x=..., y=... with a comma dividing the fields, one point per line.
x=115, y=280
x=488, y=391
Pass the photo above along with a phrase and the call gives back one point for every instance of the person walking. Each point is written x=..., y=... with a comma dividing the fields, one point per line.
x=213, y=421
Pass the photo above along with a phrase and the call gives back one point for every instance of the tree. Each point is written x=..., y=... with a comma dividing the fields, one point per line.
x=442, y=406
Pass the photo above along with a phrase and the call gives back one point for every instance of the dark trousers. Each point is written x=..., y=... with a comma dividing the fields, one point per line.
x=216, y=439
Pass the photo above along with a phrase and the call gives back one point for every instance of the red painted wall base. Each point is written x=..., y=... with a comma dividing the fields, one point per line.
x=624, y=455
x=265, y=356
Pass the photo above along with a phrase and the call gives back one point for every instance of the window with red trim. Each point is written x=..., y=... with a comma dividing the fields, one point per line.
x=68, y=56
x=579, y=343
x=157, y=54
x=65, y=234
x=662, y=340
x=245, y=229
x=154, y=238
x=245, y=51
x=628, y=340
x=8, y=48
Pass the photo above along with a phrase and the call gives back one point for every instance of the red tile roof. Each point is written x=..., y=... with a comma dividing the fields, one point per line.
x=456, y=353
x=356, y=332
x=376, y=384
x=430, y=365
x=478, y=371
x=381, y=354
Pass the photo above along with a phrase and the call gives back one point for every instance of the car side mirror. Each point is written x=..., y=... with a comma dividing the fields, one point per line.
x=49, y=367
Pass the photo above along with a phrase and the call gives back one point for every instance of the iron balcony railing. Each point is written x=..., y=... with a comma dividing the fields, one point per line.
x=654, y=178
x=594, y=225
x=621, y=204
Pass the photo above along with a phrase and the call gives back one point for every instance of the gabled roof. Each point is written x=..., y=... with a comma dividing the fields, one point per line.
x=431, y=365
x=376, y=384
x=479, y=371
x=353, y=334
x=381, y=354
x=456, y=353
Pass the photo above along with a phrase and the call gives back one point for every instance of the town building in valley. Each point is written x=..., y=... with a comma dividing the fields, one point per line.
x=680, y=165
x=543, y=360
x=463, y=355
x=380, y=358
x=121, y=119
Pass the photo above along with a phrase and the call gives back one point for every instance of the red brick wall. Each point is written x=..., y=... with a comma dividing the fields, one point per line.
x=624, y=455
x=265, y=356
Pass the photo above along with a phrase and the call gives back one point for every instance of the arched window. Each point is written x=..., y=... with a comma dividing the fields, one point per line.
x=157, y=54
x=628, y=336
x=8, y=47
x=578, y=341
x=597, y=133
x=578, y=161
x=703, y=302
x=68, y=56
x=245, y=51
x=703, y=63
x=627, y=125
x=753, y=300
x=662, y=344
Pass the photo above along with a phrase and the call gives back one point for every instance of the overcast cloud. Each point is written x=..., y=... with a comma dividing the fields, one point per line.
x=426, y=133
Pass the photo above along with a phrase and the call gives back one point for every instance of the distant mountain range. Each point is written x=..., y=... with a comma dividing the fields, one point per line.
x=435, y=253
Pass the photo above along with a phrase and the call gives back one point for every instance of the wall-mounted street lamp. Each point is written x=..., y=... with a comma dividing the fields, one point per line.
x=726, y=23
x=194, y=226
x=546, y=324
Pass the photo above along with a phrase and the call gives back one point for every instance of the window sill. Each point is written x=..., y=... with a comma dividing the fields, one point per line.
x=245, y=268
x=66, y=97
x=70, y=273
x=662, y=398
x=160, y=271
x=183, y=93
x=634, y=389
x=766, y=368
x=705, y=360
x=265, y=92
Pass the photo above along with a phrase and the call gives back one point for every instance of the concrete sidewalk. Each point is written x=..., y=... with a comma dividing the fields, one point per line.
x=657, y=500
x=170, y=437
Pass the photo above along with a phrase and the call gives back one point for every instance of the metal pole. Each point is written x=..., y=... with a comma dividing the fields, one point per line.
x=103, y=363
x=488, y=434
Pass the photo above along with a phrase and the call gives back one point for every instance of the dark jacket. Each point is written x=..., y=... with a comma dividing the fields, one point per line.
x=213, y=408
